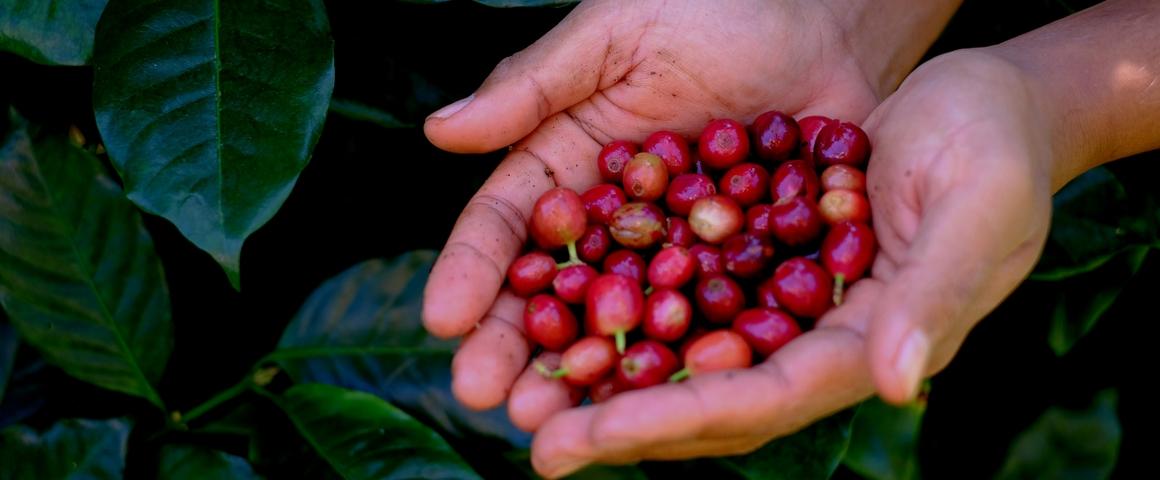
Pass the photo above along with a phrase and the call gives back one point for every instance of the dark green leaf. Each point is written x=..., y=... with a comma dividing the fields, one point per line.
x=78, y=274
x=70, y=449
x=813, y=452
x=884, y=440
x=362, y=330
x=8, y=344
x=365, y=113
x=191, y=462
x=362, y=436
x=1081, y=301
x=27, y=388
x=1068, y=444
x=54, y=32
x=210, y=109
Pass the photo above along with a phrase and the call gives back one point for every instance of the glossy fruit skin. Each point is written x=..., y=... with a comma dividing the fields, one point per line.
x=673, y=150
x=803, y=288
x=558, y=218
x=746, y=183
x=594, y=244
x=776, y=136
x=723, y=143
x=766, y=329
x=626, y=263
x=672, y=267
x=810, y=127
x=796, y=222
x=646, y=363
x=549, y=322
x=645, y=177
x=679, y=232
x=848, y=250
x=759, y=221
x=588, y=360
x=746, y=255
x=531, y=273
x=719, y=298
x=718, y=350
x=685, y=190
x=614, y=303
x=601, y=201
x=838, y=206
x=843, y=177
x=765, y=295
x=605, y=389
x=716, y=218
x=571, y=284
x=667, y=315
x=794, y=178
x=637, y=225
x=612, y=159
x=842, y=144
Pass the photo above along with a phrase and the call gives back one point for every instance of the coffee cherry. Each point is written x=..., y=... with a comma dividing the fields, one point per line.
x=615, y=306
x=847, y=253
x=843, y=177
x=715, y=218
x=637, y=225
x=594, y=244
x=685, y=190
x=667, y=315
x=841, y=143
x=765, y=296
x=586, y=361
x=672, y=267
x=600, y=201
x=605, y=389
x=723, y=143
x=673, y=150
x=796, y=222
x=746, y=183
x=719, y=298
x=646, y=363
x=746, y=255
x=775, y=136
x=531, y=273
x=645, y=177
x=759, y=221
x=708, y=258
x=811, y=126
x=558, y=218
x=549, y=322
x=716, y=351
x=571, y=284
x=837, y=206
x=794, y=178
x=766, y=329
x=626, y=263
x=679, y=234
x=803, y=288
x=612, y=159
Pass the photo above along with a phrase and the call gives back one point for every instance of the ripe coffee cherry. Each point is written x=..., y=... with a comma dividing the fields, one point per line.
x=775, y=136
x=679, y=233
x=709, y=259
x=715, y=218
x=612, y=159
x=841, y=143
x=645, y=177
x=637, y=225
x=615, y=306
x=723, y=143
x=626, y=263
x=646, y=363
x=759, y=221
x=531, y=273
x=794, y=178
x=605, y=389
x=838, y=206
x=765, y=296
x=594, y=244
x=673, y=150
x=667, y=315
x=686, y=189
x=803, y=288
x=586, y=361
x=716, y=351
x=796, y=222
x=766, y=329
x=558, y=218
x=843, y=177
x=689, y=340
x=746, y=183
x=719, y=298
x=746, y=255
x=847, y=253
x=600, y=201
x=672, y=267
x=571, y=284
x=549, y=322
x=811, y=126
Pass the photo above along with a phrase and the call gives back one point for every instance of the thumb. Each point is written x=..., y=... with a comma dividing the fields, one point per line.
x=561, y=69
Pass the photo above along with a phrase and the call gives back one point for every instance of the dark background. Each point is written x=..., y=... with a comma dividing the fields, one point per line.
x=374, y=192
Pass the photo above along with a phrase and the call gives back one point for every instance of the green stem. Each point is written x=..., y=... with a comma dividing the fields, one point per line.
x=542, y=369
x=573, y=258
x=839, y=288
x=680, y=375
x=561, y=373
x=649, y=290
x=620, y=341
x=222, y=397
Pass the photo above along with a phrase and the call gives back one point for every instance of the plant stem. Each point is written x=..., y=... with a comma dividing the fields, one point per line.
x=222, y=397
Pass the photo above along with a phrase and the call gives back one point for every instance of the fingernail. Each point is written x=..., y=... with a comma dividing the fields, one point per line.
x=911, y=361
x=452, y=109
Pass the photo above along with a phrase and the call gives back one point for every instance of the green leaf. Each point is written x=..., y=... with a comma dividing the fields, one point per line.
x=27, y=390
x=8, y=345
x=53, y=32
x=362, y=330
x=813, y=452
x=365, y=113
x=1081, y=301
x=209, y=109
x=884, y=442
x=70, y=449
x=362, y=436
x=78, y=274
x=1068, y=444
x=179, y=462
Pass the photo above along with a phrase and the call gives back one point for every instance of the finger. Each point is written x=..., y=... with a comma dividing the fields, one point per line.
x=559, y=70
x=492, y=228
x=535, y=398
x=490, y=359
x=677, y=450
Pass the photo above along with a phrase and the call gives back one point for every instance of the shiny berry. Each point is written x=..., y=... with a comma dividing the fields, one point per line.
x=838, y=206
x=747, y=183
x=594, y=244
x=645, y=177
x=723, y=143
x=758, y=220
x=667, y=315
x=811, y=126
x=558, y=218
x=626, y=263
x=766, y=329
x=615, y=306
x=672, y=267
x=685, y=190
x=605, y=389
x=841, y=144
x=612, y=159
x=775, y=136
x=746, y=255
x=637, y=225
x=715, y=218
x=679, y=232
x=843, y=177
x=531, y=273
x=796, y=222
x=646, y=363
x=549, y=322
x=794, y=178
x=587, y=361
x=600, y=201
x=719, y=298
x=709, y=259
x=716, y=351
x=803, y=288
x=673, y=150
x=571, y=284
x=847, y=253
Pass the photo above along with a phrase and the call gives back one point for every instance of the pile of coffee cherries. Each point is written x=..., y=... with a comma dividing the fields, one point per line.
x=699, y=251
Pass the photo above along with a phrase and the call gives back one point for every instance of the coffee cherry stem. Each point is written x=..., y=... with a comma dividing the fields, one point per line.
x=621, y=340
x=680, y=375
x=573, y=257
x=839, y=288
x=649, y=290
x=542, y=369
x=560, y=373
